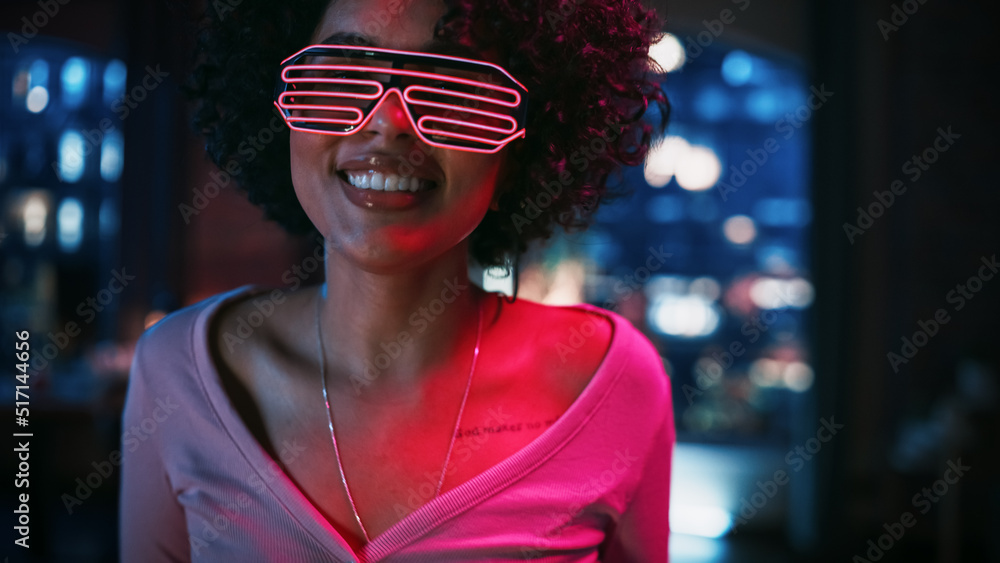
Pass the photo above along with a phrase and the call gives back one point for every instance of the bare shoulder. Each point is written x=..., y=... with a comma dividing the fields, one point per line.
x=562, y=322
x=255, y=340
x=250, y=330
x=566, y=345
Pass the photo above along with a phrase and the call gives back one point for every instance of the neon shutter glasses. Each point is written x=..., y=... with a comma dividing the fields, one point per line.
x=451, y=102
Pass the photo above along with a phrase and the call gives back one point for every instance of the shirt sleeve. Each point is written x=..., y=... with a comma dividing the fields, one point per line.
x=152, y=523
x=641, y=534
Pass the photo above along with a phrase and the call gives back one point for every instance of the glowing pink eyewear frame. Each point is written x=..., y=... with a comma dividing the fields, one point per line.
x=445, y=108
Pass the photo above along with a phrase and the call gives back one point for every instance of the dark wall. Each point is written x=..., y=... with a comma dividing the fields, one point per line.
x=919, y=78
x=898, y=86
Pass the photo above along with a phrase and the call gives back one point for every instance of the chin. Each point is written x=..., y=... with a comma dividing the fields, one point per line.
x=393, y=259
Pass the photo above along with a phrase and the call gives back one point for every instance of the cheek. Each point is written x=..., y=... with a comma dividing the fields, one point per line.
x=304, y=150
x=482, y=173
x=306, y=158
x=300, y=170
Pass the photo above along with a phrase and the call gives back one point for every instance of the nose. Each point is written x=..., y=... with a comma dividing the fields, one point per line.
x=389, y=121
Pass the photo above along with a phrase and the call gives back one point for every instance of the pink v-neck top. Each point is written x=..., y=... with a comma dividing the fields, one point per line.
x=197, y=486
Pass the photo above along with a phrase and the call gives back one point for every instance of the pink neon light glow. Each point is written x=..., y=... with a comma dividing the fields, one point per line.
x=478, y=84
x=463, y=109
x=417, y=88
x=417, y=53
x=466, y=129
x=423, y=125
x=421, y=131
x=345, y=81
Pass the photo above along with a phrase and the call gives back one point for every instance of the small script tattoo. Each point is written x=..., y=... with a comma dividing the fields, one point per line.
x=507, y=427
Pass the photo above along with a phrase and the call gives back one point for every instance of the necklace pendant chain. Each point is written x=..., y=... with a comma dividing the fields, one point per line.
x=333, y=435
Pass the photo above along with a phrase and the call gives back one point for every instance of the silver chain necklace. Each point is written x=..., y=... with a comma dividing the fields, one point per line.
x=329, y=416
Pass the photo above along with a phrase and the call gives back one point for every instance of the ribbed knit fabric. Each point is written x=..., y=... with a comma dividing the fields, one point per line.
x=197, y=486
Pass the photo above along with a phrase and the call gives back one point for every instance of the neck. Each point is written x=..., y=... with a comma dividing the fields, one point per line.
x=387, y=333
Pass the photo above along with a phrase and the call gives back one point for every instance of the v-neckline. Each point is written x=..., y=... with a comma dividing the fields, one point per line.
x=451, y=502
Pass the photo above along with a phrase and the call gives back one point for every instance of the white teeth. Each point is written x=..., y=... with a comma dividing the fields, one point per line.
x=393, y=182
x=386, y=182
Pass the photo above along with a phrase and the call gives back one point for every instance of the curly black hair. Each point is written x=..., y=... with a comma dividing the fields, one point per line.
x=584, y=63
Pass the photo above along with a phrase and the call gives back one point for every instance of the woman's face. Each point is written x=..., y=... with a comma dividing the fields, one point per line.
x=389, y=231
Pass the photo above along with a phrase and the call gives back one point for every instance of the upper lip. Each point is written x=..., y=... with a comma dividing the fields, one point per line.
x=428, y=169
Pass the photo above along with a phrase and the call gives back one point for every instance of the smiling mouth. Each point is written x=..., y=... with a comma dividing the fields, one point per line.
x=378, y=181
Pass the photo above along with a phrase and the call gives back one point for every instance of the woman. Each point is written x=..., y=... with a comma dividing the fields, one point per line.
x=398, y=412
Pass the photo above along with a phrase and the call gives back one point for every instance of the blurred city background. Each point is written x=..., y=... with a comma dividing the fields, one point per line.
x=809, y=247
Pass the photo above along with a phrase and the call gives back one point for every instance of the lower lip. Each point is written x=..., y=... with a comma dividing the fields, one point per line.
x=380, y=200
